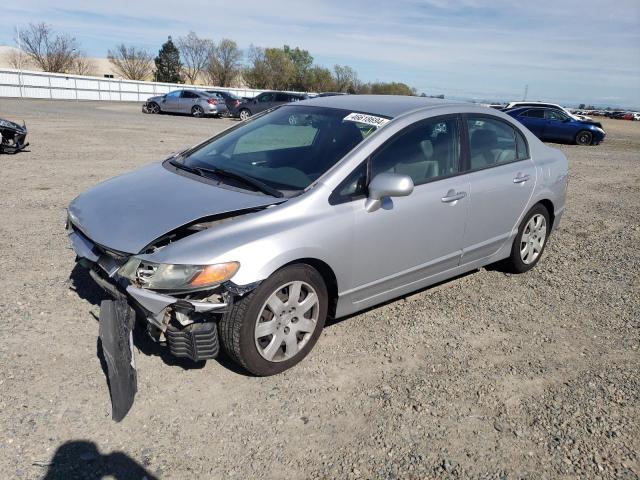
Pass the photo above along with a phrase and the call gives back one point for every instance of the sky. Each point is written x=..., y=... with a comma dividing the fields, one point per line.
x=566, y=51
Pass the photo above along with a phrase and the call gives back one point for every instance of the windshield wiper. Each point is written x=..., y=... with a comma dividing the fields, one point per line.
x=221, y=172
x=255, y=183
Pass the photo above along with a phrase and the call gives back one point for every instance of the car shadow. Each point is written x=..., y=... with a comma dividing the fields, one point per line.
x=81, y=460
x=85, y=287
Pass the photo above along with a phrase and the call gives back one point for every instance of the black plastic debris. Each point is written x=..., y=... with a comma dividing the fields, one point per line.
x=116, y=323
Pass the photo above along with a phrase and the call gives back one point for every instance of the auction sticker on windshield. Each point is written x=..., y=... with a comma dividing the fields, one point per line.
x=366, y=119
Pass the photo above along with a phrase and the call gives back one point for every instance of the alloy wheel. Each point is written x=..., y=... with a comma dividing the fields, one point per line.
x=533, y=238
x=244, y=115
x=287, y=321
x=197, y=111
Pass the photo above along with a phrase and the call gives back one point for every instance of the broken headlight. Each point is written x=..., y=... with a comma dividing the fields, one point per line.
x=164, y=276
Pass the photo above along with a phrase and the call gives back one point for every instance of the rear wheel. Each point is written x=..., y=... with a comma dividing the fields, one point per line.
x=274, y=327
x=244, y=114
x=584, y=138
x=530, y=241
x=197, y=111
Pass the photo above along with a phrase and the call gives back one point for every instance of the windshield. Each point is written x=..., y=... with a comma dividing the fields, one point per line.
x=288, y=148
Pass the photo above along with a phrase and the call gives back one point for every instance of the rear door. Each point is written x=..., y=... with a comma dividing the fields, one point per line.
x=534, y=120
x=501, y=181
x=188, y=100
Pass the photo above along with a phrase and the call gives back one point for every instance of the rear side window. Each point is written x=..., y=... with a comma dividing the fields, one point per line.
x=189, y=95
x=282, y=97
x=534, y=113
x=491, y=142
x=521, y=145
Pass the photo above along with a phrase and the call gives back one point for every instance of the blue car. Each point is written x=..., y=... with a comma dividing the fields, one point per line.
x=554, y=125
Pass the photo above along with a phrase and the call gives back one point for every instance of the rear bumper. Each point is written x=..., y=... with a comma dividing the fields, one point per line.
x=188, y=327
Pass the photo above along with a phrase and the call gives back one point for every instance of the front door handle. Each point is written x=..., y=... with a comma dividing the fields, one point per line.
x=453, y=196
x=521, y=178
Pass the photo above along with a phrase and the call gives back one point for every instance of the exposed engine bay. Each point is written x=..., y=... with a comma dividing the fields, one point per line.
x=13, y=137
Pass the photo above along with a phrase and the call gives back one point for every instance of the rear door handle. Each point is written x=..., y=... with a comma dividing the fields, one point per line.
x=453, y=196
x=521, y=178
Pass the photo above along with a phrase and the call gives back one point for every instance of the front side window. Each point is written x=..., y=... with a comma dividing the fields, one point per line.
x=286, y=149
x=425, y=151
x=175, y=94
x=491, y=142
x=555, y=115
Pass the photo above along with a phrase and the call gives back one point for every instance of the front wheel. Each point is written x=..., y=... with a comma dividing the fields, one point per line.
x=244, y=114
x=274, y=327
x=153, y=108
x=584, y=138
x=530, y=241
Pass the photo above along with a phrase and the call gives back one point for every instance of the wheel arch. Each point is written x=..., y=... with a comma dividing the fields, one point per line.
x=548, y=204
x=327, y=274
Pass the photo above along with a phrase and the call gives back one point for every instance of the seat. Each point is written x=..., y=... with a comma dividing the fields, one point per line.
x=483, y=143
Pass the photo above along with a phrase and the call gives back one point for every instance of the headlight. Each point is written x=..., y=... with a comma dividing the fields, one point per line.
x=163, y=276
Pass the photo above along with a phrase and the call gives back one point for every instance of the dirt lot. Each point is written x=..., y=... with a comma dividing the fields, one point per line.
x=487, y=376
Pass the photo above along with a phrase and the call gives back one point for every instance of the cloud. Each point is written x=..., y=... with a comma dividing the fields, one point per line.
x=574, y=50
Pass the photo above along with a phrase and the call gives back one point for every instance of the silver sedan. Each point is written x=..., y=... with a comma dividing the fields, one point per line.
x=193, y=102
x=316, y=209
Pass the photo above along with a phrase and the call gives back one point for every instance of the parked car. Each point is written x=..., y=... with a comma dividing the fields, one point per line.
x=331, y=94
x=231, y=101
x=512, y=105
x=194, y=102
x=267, y=100
x=13, y=137
x=555, y=125
x=257, y=235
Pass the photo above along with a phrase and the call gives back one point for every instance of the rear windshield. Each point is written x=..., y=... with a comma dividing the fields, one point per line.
x=287, y=148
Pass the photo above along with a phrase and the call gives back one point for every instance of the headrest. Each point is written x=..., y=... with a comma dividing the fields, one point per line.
x=484, y=138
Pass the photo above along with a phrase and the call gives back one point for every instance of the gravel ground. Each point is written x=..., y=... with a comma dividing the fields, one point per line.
x=486, y=376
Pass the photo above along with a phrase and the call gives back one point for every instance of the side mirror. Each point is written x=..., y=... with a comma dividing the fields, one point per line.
x=387, y=185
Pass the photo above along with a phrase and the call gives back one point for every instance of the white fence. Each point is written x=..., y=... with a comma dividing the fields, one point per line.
x=30, y=84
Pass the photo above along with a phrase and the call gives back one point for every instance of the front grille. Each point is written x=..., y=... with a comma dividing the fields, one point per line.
x=198, y=341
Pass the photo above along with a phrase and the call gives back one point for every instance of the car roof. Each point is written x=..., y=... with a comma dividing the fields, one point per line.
x=383, y=105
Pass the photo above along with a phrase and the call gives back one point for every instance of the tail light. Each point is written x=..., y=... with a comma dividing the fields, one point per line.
x=212, y=101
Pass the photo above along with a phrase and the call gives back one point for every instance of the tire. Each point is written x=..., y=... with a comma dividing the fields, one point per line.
x=153, y=107
x=244, y=114
x=197, y=111
x=523, y=259
x=584, y=138
x=242, y=339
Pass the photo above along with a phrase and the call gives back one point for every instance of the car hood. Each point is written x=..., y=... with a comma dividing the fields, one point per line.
x=128, y=212
x=590, y=122
x=12, y=126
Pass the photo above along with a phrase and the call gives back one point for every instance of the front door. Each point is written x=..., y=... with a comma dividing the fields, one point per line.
x=501, y=178
x=410, y=239
x=171, y=102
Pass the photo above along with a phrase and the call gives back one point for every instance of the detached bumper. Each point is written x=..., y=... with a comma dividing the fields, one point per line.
x=188, y=327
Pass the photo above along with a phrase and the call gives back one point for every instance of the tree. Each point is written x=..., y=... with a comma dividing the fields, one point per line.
x=84, y=65
x=194, y=52
x=168, y=65
x=131, y=62
x=49, y=51
x=302, y=61
x=346, y=79
x=318, y=79
x=224, y=63
x=19, y=60
x=387, y=88
x=269, y=68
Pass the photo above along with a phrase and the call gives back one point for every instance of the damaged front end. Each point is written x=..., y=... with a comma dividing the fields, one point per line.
x=13, y=137
x=178, y=306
